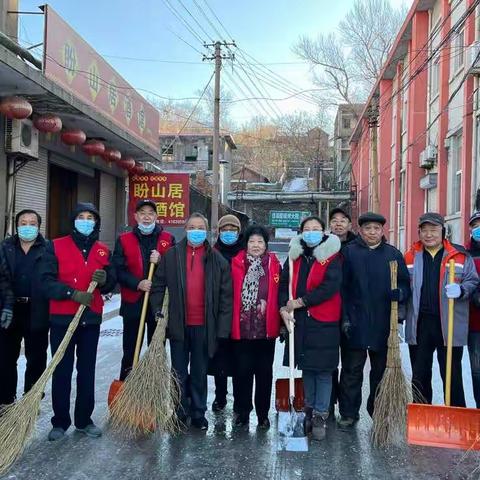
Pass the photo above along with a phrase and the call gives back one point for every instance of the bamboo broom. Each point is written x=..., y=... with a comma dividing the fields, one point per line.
x=149, y=397
x=17, y=421
x=393, y=393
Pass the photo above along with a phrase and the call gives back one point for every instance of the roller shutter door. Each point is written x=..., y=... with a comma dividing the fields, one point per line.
x=108, y=208
x=32, y=186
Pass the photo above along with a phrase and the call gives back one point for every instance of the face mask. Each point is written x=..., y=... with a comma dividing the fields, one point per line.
x=146, y=229
x=312, y=238
x=228, y=237
x=85, y=227
x=476, y=234
x=28, y=233
x=196, y=237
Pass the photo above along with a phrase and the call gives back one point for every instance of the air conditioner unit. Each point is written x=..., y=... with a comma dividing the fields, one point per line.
x=21, y=137
x=431, y=153
x=424, y=162
x=428, y=181
x=473, y=58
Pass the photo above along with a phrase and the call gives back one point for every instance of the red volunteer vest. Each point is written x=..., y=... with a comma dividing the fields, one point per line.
x=328, y=311
x=475, y=311
x=134, y=260
x=77, y=273
x=273, y=315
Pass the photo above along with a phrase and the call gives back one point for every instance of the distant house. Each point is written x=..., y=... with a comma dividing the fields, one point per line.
x=243, y=176
x=193, y=153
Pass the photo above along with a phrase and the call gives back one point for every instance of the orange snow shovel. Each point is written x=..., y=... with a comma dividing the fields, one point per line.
x=444, y=426
x=117, y=384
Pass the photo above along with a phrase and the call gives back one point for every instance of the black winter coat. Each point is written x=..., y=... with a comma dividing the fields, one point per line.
x=38, y=303
x=366, y=293
x=316, y=343
x=7, y=299
x=171, y=275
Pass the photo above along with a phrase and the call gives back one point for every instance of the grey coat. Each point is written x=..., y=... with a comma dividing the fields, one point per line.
x=465, y=274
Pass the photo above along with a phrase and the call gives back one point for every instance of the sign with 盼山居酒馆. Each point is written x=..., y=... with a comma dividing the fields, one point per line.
x=286, y=219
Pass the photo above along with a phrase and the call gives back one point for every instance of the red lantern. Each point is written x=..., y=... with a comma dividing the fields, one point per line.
x=138, y=169
x=15, y=107
x=93, y=148
x=73, y=137
x=111, y=155
x=127, y=163
x=48, y=123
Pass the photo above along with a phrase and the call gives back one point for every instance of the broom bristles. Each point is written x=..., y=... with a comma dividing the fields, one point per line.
x=148, y=399
x=393, y=392
x=17, y=421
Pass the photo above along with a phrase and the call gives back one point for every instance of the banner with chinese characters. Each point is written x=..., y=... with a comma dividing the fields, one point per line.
x=71, y=62
x=170, y=191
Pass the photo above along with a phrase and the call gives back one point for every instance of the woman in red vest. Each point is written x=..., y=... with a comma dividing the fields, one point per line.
x=474, y=324
x=69, y=265
x=134, y=251
x=316, y=305
x=255, y=325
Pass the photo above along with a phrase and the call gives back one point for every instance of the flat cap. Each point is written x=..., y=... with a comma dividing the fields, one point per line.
x=143, y=202
x=432, y=218
x=229, y=220
x=371, y=217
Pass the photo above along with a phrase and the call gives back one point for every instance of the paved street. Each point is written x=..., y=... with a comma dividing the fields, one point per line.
x=222, y=452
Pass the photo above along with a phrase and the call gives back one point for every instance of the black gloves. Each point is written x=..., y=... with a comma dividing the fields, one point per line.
x=84, y=298
x=99, y=276
x=6, y=317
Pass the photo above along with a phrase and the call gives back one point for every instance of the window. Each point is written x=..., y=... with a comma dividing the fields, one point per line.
x=454, y=174
x=458, y=52
x=191, y=153
x=434, y=77
x=401, y=203
x=346, y=122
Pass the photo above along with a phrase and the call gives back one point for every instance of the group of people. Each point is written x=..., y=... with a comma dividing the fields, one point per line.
x=229, y=302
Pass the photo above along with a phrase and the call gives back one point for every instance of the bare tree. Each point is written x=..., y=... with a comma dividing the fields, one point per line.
x=346, y=63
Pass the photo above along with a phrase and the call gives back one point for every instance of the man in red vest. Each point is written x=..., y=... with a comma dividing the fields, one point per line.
x=69, y=265
x=134, y=251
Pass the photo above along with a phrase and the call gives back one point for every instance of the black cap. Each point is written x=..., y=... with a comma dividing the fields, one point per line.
x=371, y=217
x=475, y=216
x=339, y=210
x=432, y=218
x=145, y=201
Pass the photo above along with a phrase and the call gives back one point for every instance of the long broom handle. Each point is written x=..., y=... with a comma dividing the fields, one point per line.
x=141, y=327
x=451, y=304
x=291, y=339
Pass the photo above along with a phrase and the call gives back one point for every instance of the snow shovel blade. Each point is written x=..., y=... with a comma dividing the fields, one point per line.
x=113, y=391
x=444, y=427
x=291, y=433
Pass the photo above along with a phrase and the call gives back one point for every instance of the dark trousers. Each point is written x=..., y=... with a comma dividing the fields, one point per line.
x=429, y=340
x=335, y=388
x=193, y=383
x=131, y=324
x=35, y=343
x=351, y=379
x=253, y=359
x=221, y=390
x=84, y=344
x=474, y=353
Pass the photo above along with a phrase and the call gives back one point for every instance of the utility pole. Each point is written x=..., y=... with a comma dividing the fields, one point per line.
x=218, y=57
x=372, y=114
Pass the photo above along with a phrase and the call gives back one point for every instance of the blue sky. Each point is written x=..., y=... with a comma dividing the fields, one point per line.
x=266, y=29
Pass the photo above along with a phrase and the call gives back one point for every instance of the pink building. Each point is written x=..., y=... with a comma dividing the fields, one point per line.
x=428, y=123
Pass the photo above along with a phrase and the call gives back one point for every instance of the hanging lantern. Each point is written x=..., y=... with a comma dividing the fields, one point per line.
x=93, y=148
x=73, y=138
x=15, y=107
x=48, y=123
x=111, y=155
x=138, y=168
x=127, y=163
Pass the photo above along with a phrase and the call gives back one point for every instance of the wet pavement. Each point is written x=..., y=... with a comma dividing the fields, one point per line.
x=224, y=452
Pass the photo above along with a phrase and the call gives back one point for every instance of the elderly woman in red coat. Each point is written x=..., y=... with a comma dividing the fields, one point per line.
x=255, y=325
